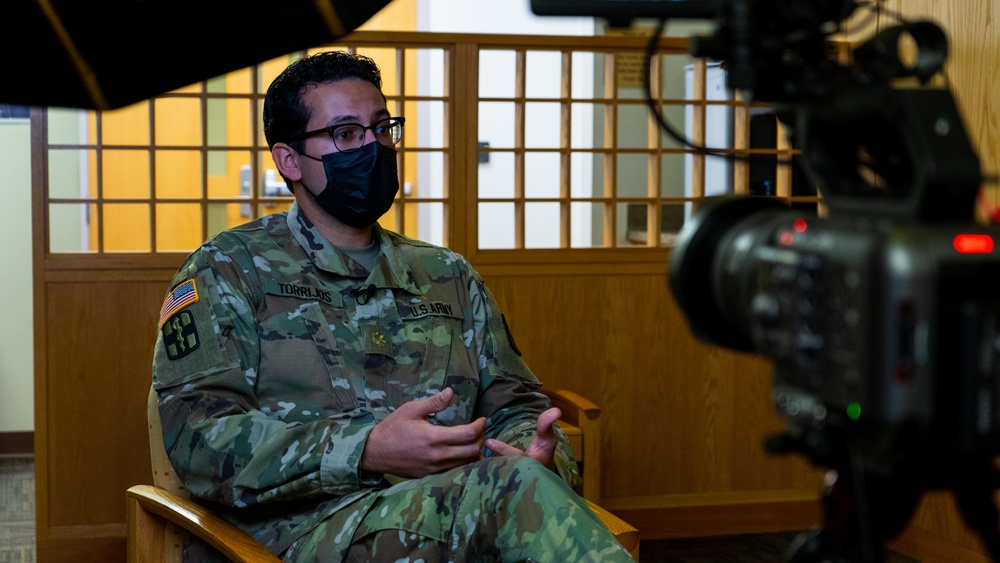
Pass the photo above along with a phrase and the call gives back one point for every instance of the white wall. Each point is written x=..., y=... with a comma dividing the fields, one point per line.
x=16, y=332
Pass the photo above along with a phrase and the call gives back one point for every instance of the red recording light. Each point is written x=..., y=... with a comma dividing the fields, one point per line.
x=800, y=225
x=973, y=244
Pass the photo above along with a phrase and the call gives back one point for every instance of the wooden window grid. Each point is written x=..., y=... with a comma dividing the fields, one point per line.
x=458, y=196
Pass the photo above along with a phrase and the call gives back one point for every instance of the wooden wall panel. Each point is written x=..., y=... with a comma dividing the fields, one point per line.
x=680, y=417
x=101, y=338
x=682, y=433
x=99, y=329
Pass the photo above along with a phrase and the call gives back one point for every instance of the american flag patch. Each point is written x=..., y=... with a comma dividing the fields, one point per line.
x=181, y=296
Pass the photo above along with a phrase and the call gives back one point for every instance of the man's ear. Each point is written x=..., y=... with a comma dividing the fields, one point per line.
x=287, y=160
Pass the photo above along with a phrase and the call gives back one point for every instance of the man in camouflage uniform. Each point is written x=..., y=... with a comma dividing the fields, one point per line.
x=342, y=392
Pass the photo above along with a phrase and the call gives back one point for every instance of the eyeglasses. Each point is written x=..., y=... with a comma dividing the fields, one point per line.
x=349, y=137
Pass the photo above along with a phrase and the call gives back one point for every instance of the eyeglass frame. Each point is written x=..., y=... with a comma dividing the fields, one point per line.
x=364, y=131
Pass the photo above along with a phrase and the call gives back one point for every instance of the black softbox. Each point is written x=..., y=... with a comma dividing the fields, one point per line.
x=107, y=54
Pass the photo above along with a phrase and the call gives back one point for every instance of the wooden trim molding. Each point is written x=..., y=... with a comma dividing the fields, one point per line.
x=17, y=443
x=718, y=514
x=706, y=518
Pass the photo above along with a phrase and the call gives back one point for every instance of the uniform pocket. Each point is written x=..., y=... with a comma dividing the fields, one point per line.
x=432, y=358
x=422, y=362
x=301, y=359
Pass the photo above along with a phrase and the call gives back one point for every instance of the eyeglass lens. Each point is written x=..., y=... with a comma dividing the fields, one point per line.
x=352, y=136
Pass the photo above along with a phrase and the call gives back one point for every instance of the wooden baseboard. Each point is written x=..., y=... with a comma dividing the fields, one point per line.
x=94, y=550
x=17, y=443
x=689, y=516
x=685, y=516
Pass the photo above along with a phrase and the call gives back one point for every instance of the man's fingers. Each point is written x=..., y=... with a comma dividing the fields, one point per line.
x=471, y=433
x=431, y=405
x=441, y=401
x=502, y=448
x=547, y=419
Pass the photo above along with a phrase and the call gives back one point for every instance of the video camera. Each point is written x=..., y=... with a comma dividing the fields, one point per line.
x=883, y=318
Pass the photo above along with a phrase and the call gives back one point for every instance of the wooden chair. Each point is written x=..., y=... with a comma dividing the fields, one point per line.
x=581, y=421
x=156, y=514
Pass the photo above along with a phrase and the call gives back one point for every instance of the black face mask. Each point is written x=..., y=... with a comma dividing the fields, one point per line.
x=360, y=185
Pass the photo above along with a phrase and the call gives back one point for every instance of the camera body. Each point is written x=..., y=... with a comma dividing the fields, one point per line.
x=879, y=318
x=885, y=329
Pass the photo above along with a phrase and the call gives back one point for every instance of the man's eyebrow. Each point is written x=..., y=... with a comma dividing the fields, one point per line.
x=380, y=114
x=343, y=119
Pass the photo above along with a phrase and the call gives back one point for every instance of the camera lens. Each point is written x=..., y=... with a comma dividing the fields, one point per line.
x=707, y=274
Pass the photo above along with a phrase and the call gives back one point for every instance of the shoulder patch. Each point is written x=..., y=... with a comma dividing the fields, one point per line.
x=181, y=296
x=180, y=336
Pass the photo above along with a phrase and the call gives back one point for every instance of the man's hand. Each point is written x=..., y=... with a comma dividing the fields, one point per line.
x=542, y=448
x=406, y=444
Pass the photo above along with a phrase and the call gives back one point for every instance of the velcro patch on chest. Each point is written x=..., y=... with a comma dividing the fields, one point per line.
x=304, y=291
x=410, y=311
x=377, y=341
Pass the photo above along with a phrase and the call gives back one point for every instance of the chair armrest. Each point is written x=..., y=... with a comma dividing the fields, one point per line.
x=625, y=533
x=574, y=407
x=584, y=414
x=150, y=508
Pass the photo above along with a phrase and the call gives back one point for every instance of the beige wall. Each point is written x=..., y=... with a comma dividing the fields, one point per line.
x=16, y=357
x=16, y=339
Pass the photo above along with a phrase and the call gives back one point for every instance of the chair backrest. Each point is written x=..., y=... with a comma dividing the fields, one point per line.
x=164, y=476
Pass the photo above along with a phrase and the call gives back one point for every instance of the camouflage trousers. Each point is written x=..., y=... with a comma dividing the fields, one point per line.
x=498, y=509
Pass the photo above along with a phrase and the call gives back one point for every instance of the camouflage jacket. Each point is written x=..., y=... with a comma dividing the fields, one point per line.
x=277, y=354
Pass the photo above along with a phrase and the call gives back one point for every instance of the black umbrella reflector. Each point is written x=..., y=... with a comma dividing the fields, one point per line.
x=113, y=53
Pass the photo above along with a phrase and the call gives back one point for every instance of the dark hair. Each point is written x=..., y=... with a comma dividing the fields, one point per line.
x=284, y=113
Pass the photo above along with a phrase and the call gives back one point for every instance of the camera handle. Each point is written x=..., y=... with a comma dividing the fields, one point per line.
x=865, y=506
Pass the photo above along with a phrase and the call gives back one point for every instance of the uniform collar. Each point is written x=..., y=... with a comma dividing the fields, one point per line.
x=390, y=271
